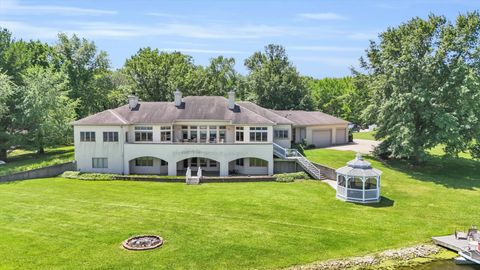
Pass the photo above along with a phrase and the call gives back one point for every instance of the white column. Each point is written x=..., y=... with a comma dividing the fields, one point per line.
x=270, y=167
x=363, y=189
x=172, y=168
x=223, y=168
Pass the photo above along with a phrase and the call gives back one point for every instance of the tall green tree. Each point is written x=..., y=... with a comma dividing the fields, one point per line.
x=156, y=75
x=426, y=86
x=6, y=93
x=219, y=77
x=274, y=82
x=46, y=109
x=86, y=68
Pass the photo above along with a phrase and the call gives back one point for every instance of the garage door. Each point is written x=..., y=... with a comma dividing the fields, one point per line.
x=340, y=136
x=322, y=138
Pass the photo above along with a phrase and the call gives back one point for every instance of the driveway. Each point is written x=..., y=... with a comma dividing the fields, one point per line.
x=360, y=146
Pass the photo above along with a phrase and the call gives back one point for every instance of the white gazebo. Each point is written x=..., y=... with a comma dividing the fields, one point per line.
x=358, y=182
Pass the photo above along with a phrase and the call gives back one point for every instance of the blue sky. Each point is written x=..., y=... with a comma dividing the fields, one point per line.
x=322, y=38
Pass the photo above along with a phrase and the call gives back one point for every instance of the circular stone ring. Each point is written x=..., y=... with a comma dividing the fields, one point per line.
x=143, y=242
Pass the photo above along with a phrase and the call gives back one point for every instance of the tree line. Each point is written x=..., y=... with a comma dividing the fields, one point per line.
x=419, y=82
x=46, y=87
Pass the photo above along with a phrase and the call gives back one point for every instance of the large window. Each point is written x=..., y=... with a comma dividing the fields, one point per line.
x=239, y=135
x=239, y=162
x=110, y=136
x=144, y=162
x=212, y=130
x=222, y=133
x=280, y=134
x=185, y=132
x=203, y=133
x=193, y=133
x=166, y=134
x=100, y=163
x=258, y=134
x=143, y=134
x=87, y=136
x=256, y=162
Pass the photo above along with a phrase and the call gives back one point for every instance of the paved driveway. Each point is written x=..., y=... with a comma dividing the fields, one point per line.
x=360, y=146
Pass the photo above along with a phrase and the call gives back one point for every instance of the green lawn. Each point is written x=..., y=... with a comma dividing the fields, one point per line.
x=71, y=224
x=364, y=135
x=23, y=160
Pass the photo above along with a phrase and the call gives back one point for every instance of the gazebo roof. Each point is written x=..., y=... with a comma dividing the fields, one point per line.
x=359, y=167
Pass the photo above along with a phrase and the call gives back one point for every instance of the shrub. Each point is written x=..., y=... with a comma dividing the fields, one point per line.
x=290, y=177
x=350, y=137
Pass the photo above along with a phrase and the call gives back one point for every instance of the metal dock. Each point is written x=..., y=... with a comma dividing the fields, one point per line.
x=450, y=242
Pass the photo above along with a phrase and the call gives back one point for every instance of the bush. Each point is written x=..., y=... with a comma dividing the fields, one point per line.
x=290, y=177
x=110, y=176
x=350, y=137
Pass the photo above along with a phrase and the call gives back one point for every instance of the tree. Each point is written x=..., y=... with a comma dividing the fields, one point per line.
x=156, y=75
x=46, y=109
x=219, y=77
x=85, y=68
x=274, y=82
x=6, y=92
x=424, y=75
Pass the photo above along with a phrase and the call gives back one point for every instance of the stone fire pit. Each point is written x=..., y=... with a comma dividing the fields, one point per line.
x=143, y=242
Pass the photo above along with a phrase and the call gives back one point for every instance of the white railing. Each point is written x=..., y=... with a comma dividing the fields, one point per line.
x=287, y=153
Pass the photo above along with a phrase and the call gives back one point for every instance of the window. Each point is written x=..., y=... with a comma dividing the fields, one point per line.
x=193, y=162
x=222, y=132
x=355, y=183
x=280, y=134
x=203, y=133
x=341, y=180
x=258, y=134
x=143, y=134
x=193, y=133
x=239, y=135
x=213, y=134
x=213, y=163
x=371, y=183
x=163, y=163
x=203, y=162
x=185, y=163
x=239, y=162
x=110, y=136
x=144, y=162
x=166, y=134
x=185, y=132
x=100, y=163
x=256, y=162
x=126, y=136
x=87, y=136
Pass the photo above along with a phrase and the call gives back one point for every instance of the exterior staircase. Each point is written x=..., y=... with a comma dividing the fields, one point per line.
x=293, y=154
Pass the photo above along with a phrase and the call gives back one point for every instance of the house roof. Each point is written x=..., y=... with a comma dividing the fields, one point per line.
x=304, y=118
x=276, y=118
x=192, y=108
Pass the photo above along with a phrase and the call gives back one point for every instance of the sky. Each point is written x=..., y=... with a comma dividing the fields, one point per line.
x=322, y=38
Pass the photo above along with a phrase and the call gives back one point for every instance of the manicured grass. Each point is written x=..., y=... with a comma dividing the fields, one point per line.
x=23, y=160
x=71, y=224
x=364, y=135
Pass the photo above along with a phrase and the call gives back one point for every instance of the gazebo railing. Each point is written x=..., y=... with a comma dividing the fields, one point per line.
x=357, y=194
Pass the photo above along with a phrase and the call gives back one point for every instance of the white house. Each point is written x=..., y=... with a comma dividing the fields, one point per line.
x=220, y=135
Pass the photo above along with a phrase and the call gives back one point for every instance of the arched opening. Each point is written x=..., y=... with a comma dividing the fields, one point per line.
x=248, y=166
x=209, y=167
x=148, y=165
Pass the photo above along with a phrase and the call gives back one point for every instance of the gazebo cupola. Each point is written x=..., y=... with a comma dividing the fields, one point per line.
x=358, y=182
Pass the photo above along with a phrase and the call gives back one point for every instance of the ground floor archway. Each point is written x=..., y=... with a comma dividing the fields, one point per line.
x=248, y=166
x=209, y=167
x=148, y=165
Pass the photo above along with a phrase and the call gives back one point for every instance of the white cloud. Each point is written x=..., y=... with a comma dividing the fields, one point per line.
x=325, y=48
x=362, y=36
x=165, y=15
x=208, y=51
x=13, y=7
x=328, y=16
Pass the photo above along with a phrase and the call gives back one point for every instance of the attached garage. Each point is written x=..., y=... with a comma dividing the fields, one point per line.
x=340, y=136
x=322, y=138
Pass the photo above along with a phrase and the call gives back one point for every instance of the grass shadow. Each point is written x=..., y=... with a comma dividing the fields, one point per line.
x=384, y=202
x=456, y=173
